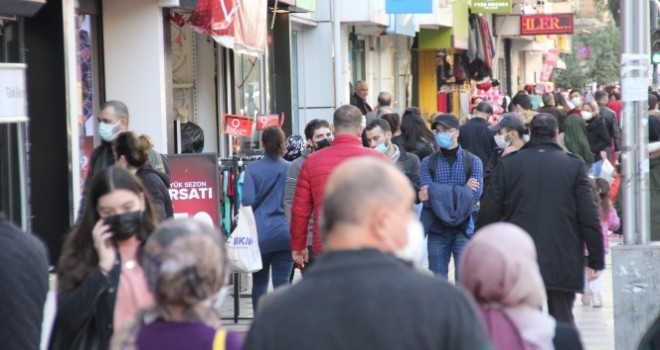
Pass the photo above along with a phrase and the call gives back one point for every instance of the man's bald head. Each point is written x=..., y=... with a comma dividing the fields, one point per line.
x=358, y=188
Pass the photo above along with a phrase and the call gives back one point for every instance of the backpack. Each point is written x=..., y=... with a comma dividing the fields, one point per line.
x=467, y=164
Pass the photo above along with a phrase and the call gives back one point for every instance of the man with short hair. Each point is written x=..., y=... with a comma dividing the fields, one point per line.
x=383, y=107
x=319, y=136
x=546, y=192
x=363, y=292
x=347, y=124
x=379, y=135
x=450, y=183
x=359, y=98
x=475, y=135
x=550, y=107
x=611, y=122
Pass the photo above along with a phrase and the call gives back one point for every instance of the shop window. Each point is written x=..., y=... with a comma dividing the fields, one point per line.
x=250, y=96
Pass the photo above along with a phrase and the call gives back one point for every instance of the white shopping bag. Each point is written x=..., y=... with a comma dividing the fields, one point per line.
x=243, y=244
x=606, y=171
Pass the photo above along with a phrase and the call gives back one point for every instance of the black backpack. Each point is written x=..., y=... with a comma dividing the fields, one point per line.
x=467, y=164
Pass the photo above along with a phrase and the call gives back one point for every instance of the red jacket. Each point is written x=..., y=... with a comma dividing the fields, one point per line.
x=310, y=184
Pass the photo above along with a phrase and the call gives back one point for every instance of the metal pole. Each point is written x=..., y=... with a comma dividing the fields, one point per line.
x=634, y=80
x=337, y=54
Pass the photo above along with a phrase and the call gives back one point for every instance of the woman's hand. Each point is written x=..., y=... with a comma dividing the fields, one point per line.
x=103, y=245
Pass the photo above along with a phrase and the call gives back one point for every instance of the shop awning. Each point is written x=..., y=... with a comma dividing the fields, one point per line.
x=455, y=37
x=27, y=8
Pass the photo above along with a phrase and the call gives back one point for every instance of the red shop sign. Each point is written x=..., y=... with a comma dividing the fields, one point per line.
x=237, y=125
x=194, y=186
x=561, y=23
x=264, y=121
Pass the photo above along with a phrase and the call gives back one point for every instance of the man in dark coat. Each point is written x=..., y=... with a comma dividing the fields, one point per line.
x=24, y=276
x=363, y=292
x=545, y=191
x=611, y=121
x=359, y=98
x=550, y=107
x=475, y=135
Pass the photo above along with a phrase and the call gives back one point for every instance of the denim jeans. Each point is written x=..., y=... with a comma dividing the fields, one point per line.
x=281, y=263
x=441, y=247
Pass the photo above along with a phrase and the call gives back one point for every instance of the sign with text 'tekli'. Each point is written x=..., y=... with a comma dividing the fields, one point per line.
x=561, y=23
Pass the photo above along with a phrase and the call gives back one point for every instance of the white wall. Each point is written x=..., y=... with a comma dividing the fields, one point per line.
x=134, y=58
x=206, y=97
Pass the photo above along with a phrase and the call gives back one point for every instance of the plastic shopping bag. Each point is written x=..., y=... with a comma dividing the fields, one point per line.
x=243, y=244
x=606, y=171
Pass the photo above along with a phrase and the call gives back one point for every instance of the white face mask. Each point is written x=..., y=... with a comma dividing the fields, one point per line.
x=109, y=132
x=576, y=101
x=501, y=141
x=587, y=115
x=525, y=138
x=412, y=251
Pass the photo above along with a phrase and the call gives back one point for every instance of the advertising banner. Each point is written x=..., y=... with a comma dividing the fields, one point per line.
x=408, y=6
x=549, y=64
x=194, y=187
x=561, y=23
x=491, y=6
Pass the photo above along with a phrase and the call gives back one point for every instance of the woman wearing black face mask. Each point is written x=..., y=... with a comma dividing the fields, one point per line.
x=100, y=283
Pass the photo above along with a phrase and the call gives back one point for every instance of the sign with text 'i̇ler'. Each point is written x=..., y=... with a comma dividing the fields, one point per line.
x=408, y=6
x=194, y=187
x=491, y=6
x=561, y=23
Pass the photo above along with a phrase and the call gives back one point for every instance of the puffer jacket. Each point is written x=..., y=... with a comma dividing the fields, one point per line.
x=309, y=188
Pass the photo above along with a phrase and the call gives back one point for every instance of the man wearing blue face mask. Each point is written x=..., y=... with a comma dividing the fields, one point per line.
x=379, y=136
x=450, y=183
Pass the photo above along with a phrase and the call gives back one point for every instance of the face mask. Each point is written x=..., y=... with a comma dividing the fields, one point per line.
x=124, y=226
x=501, y=141
x=576, y=101
x=382, y=148
x=525, y=138
x=412, y=251
x=587, y=115
x=107, y=131
x=443, y=140
x=323, y=144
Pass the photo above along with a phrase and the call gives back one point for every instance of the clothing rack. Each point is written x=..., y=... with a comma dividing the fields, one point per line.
x=235, y=166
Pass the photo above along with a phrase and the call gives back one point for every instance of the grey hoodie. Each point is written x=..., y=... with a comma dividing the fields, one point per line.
x=290, y=190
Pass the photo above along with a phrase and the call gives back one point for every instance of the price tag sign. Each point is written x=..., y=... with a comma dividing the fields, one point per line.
x=237, y=125
x=264, y=121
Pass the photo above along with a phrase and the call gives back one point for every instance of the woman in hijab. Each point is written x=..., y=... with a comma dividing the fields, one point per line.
x=499, y=269
x=574, y=139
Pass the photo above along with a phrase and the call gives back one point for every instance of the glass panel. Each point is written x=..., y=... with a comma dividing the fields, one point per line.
x=294, y=85
x=85, y=83
x=249, y=90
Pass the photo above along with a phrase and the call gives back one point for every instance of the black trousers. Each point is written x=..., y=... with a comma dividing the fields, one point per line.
x=560, y=306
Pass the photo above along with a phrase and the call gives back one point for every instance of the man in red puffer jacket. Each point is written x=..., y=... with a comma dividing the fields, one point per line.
x=314, y=173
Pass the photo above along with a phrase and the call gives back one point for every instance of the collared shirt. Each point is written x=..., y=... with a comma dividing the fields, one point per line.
x=397, y=154
x=453, y=174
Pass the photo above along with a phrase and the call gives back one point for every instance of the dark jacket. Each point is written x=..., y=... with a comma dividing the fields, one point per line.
x=599, y=138
x=311, y=182
x=421, y=149
x=156, y=184
x=546, y=191
x=449, y=206
x=366, y=299
x=477, y=138
x=612, y=123
x=23, y=287
x=85, y=314
x=654, y=184
x=492, y=165
x=559, y=114
x=361, y=104
x=410, y=166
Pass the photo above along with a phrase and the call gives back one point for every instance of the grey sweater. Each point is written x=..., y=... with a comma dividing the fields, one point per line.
x=290, y=190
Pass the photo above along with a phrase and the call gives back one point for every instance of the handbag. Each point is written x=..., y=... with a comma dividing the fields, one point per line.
x=243, y=244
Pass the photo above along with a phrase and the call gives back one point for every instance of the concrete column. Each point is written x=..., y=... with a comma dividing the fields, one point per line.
x=135, y=64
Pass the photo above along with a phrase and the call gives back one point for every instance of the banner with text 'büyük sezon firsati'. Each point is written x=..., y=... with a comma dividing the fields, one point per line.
x=194, y=187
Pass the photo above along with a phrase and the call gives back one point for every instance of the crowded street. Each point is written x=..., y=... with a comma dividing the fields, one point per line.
x=329, y=174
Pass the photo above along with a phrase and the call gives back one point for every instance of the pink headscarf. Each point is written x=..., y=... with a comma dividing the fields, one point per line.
x=499, y=269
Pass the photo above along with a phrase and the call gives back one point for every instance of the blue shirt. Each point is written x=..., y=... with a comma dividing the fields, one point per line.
x=453, y=175
x=263, y=189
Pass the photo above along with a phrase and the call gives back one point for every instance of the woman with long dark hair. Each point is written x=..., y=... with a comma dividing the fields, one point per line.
x=100, y=283
x=417, y=138
x=263, y=190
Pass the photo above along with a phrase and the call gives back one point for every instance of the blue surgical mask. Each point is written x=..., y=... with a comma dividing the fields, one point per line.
x=109, y=132
x=382, y=148
x=443, y=140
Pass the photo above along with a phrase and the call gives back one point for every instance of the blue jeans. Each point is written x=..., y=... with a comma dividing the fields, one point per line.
x=281, y=263
x=441, y=248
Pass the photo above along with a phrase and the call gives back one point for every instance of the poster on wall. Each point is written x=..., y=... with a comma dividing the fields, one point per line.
x=549, y=64
x=491, y=6
x=194, y=187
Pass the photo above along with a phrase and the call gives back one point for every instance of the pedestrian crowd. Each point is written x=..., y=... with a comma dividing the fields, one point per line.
x=372, y=208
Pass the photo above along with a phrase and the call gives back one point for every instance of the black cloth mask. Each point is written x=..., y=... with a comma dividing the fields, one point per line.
x=124, y=226
x=323, y=144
